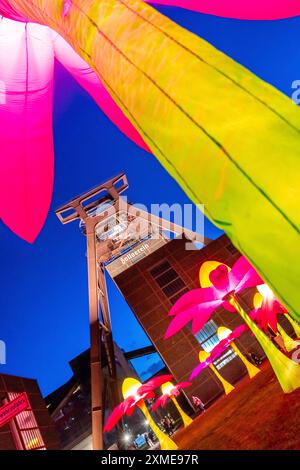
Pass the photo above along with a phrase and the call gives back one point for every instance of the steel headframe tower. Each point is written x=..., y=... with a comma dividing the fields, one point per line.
x=105, y=242
x=81, y=208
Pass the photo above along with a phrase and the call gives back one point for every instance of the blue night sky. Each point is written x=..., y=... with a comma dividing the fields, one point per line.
x=43, y=301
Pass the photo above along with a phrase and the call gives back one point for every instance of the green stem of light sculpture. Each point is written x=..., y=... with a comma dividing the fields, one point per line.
x=289, y=343
x=294, y=324
x=286, y=370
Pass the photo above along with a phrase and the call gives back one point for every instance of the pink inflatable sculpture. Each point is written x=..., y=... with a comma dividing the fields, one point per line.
x=266, y=314
x=197, y=305
x=130, y=403
x=173, y=392
x=218, y=350
x=26, y=82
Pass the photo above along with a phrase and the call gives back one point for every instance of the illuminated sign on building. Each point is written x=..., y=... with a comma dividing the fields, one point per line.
x=134, y=255
x=11, y=409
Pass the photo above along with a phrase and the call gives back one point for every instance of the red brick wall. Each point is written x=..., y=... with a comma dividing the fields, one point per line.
x=10, y=383
x=150, y=305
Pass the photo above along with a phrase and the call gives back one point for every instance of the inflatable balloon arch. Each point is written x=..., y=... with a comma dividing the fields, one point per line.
x=243, y=169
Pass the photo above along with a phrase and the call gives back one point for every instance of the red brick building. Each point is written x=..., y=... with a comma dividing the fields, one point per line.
x=153, y=283
x=31, y=429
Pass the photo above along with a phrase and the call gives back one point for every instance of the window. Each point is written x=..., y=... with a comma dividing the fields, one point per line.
x=28, y=429
x=225, y=358
x=232, y=249
x=169, y=281
x=208, y=339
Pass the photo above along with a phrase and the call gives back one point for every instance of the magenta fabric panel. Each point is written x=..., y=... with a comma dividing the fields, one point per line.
x=26, y=84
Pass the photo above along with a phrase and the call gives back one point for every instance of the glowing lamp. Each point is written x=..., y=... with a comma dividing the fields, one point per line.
x=265, y=291
x=167, y=388
x=130, y=388
x=267, y=308
x=223, y=332
x=127, y=437
x=257, y=300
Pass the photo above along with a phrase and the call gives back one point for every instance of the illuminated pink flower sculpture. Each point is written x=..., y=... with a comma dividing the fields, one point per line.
x=266, y=313
x=198, y=305
x=26, y=81
x=134, y=394
x=218, y=350
x=169, y=392
x=136, y=398
x=27, y=53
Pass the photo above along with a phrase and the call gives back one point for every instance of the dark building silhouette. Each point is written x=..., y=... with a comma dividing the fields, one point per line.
x=70, y=404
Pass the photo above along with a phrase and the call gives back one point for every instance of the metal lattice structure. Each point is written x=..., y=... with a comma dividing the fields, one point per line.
x=112, y=226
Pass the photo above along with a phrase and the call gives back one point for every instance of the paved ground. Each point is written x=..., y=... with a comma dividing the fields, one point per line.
x=257, y=415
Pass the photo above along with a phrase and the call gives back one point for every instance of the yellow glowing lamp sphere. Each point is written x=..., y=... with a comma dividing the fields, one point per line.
x=206, y=268
x=257, y=300
x=203, y=355
x=223, y=332
x=167, y=388
x=130, y=387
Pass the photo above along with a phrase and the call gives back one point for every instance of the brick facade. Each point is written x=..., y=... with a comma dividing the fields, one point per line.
x=150, y=306
x=12, y=384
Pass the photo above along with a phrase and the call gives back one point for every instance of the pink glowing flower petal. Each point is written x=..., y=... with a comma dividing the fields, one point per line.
x=251, y=279
x=160, y=402
x=266, y=315
x=219, y=277
x=26, y=155
x=202, y=314
x=243, y=275
x=179, y=321
x=238, y=331
x=197, y=370
x=192, y=298
x=129, y=403
x=239, y=9
x=154, y=383
x=228, y=307
x=238, y=272
x=117, y=414
x=218, y=350
x=182, y=385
